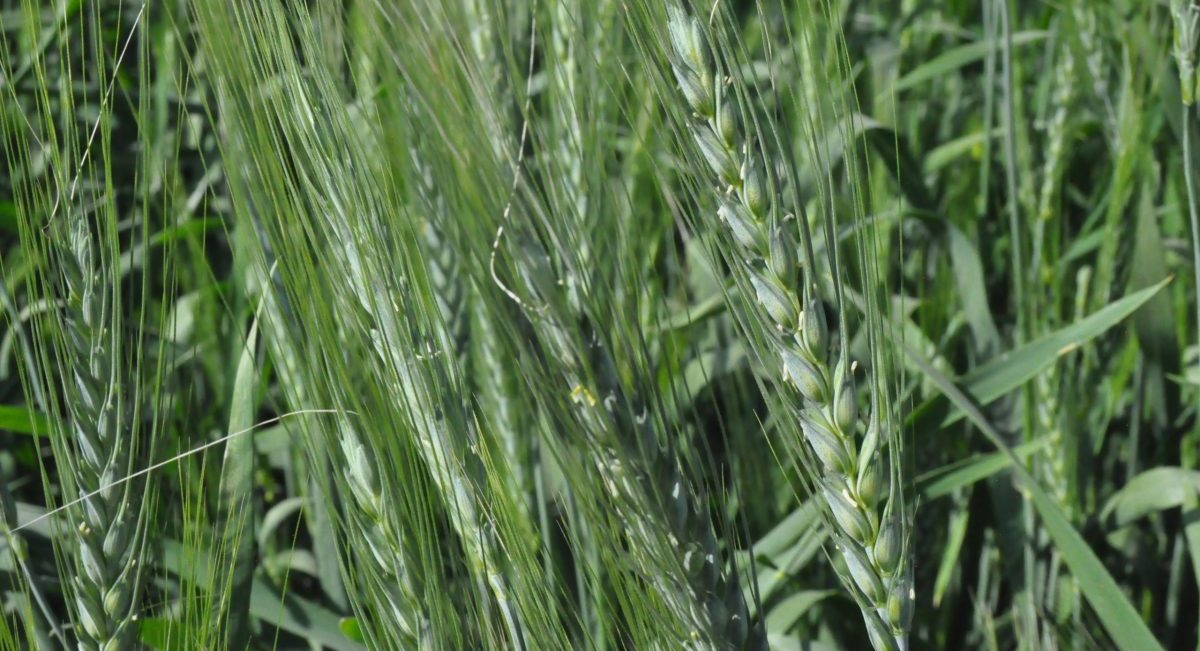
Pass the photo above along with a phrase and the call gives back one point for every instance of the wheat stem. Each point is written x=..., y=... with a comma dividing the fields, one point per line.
x=1187, y=36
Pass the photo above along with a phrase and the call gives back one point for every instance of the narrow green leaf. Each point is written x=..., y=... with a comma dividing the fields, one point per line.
x=1191, y=531
x=1012, y=369
x=1101, y=591
x=789, y=611
x=942, y=481
x=237, y=485
x=950, y=555
x=959, y=57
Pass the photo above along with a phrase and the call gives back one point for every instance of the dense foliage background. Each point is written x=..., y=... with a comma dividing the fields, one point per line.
x=557, y=324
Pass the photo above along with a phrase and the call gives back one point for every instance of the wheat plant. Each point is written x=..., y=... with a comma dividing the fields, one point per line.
x=507, y=324
x=853, y=450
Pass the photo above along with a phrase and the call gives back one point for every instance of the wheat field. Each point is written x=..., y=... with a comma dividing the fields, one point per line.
x=599, y=324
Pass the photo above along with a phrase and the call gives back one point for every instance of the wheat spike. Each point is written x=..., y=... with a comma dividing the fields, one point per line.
x=99, y=418
x=371, y=517
x=871, y=527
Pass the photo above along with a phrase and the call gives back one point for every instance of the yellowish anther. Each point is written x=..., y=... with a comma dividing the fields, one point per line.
x=581, y=395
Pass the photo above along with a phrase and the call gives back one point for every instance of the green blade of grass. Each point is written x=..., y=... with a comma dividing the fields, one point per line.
x=237, y=484
x=1010, y=370
x=22, y=420
x=1157, y=489
x=940, y=482
x=1112, y=606
x=957, y=58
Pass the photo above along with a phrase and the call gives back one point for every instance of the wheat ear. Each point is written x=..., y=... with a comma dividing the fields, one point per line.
x=637, y=467
x=564, y=78
x=470, y=335
x=869, y=520
x=445, y=448
x=99, y=421
x=386, y=560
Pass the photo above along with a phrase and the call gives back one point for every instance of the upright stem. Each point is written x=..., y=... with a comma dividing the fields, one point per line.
x=1010, y=170
x=1191, y=196
x=1188, y=173
x=1023, y=598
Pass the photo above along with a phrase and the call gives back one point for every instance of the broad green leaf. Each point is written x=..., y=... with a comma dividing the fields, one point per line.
x=787, y=532
x=693, y=314
x=325, y=546
x=275, y=444
x=707, y=367
x=276, y=516
x=793, y=643
x=783, y=566
x=283, y=610
x=1154, y=324
x=162, y=634
x=299, y=617
x=33, y=518
x=787, y=612
x=134, y=257
x=894, y=149
x=349, y=627
x=950, y=151
x=1191, y=530
x=788, y=545
x=1157, y=489
x=22, y=420
x=972, y=288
